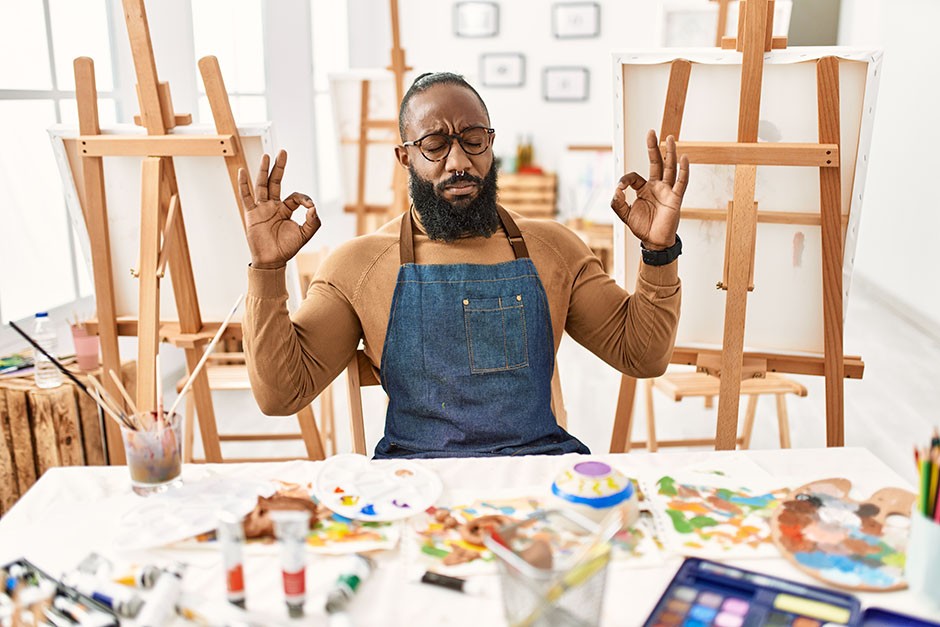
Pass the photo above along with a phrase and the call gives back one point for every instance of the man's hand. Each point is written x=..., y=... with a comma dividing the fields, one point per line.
x=273, y=237
x=654, y=215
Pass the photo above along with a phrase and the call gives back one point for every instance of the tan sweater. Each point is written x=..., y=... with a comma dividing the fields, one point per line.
x=291, y=358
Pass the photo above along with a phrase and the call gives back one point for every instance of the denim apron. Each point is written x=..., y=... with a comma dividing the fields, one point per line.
x=468, y=359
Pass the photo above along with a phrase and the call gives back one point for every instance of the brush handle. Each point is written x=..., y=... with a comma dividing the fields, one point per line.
x=55, y=361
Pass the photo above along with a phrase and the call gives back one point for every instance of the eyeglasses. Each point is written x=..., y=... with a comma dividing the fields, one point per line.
x=436, y=146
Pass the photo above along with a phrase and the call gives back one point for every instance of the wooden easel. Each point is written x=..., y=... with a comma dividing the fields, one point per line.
x=162, y=231
x=755, y=37
x=363, y=210
x=730, y=43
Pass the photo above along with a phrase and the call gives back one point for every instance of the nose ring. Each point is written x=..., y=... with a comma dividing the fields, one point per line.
x=461, y=172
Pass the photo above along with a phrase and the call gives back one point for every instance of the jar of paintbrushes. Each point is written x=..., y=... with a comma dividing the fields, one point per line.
x=153, y=446
x=923, y=549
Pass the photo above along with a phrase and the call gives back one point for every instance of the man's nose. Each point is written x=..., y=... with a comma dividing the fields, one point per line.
x=457, y=159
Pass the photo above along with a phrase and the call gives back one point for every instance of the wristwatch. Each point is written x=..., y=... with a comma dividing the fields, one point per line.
x=662, y=257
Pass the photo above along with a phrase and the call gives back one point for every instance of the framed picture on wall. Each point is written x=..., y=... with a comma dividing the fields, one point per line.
x=476, y=19
x=502, y=70
x=565, y=84
x=576, y=20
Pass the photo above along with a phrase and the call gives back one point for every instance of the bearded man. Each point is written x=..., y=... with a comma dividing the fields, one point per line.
x=461, y=305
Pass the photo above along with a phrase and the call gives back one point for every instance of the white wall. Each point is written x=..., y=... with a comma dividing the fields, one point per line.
x=897, y=249
x=524, y=27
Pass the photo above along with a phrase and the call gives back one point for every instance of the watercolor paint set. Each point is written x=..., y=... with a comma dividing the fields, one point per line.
x=708, y=594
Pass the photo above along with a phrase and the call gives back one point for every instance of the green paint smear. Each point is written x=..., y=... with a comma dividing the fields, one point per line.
x=700, y=522
x=667, y=487
x=724, y=494
x=679, y=522
x=434, y=551
x=894, y=559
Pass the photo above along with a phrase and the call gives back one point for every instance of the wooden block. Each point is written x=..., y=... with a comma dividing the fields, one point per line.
x=679, y=72
x=43, y=428
x=157, y=146
x=822, y=155
x=92, y=431
x=68, y=427
x=9, y=486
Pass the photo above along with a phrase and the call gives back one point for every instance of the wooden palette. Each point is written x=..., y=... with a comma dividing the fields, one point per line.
x=846, y=543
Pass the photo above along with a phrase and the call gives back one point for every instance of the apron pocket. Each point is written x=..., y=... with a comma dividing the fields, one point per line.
x=496, y=334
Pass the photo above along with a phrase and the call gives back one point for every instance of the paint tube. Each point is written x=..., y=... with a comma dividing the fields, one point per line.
x=120, y=599
x=140, y=576
x=81, y=614
x=231, y=535
x=291, y=527
x=457, y=584
x=161, y=602
x=56, y=618
x=355, y=572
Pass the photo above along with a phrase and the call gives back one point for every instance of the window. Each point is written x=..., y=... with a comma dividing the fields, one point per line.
x=330, y=54
x=37, y=244
x=231, y=30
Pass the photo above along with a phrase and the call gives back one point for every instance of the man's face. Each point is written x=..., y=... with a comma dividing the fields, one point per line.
x=446, y=109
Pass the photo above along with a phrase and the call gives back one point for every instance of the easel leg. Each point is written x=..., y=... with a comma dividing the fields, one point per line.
x=830, y=203
x=623, y=416
x=310, y=433
x=742, y=233
x=149, y=284
x=202, y=395
x=651, y=444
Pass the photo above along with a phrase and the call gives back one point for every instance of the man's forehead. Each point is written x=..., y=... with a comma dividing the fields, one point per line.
x=445, y=103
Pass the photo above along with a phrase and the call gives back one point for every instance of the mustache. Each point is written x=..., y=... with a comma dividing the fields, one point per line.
x=459, y=178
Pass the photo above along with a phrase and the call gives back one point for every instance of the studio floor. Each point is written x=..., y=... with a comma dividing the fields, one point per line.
x=896, y=404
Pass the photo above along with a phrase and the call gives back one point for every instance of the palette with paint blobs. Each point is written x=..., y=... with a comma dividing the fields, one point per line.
x=858, y=545
x=355, y=487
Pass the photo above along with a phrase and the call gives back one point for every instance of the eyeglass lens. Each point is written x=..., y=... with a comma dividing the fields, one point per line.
x=474, y=141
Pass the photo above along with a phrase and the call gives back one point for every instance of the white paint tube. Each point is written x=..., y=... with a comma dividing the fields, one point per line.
x=291, y=527
x=121, y=599
x=161, y=602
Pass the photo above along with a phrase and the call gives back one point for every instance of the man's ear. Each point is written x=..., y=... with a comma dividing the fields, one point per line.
x=401, y=153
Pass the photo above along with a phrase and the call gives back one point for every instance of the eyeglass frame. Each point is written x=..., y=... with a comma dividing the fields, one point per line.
x=450, y=143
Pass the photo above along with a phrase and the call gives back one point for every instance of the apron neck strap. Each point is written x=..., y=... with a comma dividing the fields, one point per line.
x=406, y=239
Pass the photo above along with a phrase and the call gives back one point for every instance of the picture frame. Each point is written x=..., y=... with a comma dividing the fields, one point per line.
x=576, y=20
x=505, y=69
x=566, y=84
x=476, y=19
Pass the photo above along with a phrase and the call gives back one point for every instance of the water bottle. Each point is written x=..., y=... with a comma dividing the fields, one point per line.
x=46, y=373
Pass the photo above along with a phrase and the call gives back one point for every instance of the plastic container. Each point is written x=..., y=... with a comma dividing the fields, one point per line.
x=569, y=591
x=46, y=373
x=594, y=488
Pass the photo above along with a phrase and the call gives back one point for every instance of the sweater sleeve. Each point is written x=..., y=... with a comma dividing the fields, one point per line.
x=291, y=359
x=634, y=333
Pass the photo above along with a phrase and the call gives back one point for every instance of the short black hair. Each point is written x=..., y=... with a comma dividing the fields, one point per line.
x=425, y=82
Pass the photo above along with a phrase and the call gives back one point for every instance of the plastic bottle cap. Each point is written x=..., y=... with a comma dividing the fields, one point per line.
x=42, y=314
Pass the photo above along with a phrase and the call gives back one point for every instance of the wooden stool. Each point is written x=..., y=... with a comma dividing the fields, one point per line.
x=679, y=385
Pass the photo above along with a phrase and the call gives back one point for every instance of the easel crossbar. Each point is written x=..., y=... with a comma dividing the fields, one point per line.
x=759, y=153
x=157, y=146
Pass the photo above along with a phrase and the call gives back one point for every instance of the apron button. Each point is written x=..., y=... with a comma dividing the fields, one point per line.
x=466, y=302
x=518, y=296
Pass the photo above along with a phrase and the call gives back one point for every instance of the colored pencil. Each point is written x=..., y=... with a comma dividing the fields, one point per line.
x=934, y=480
x=924, y=478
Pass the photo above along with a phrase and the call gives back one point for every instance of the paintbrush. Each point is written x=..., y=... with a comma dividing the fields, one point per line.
x=159, y=386
x=107, y=403
x=127, y=397
x=205, y=355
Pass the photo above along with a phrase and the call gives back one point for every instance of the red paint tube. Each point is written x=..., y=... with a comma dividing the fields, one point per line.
x=231, y=535
x=291, y=527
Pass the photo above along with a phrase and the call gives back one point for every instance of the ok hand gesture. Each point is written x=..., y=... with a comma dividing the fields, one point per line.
x=273, y=237
x=654, y=215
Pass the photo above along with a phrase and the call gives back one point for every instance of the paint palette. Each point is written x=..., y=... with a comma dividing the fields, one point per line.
x=846, y=543
x=355, y=487
x=709, y=594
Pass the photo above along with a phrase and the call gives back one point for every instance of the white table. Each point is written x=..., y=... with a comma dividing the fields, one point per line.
x=60, y=520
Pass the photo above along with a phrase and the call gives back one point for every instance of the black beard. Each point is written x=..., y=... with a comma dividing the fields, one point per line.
x=449, y=221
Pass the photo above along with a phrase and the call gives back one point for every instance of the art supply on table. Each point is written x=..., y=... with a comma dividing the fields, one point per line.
x=121, y=599
x=553, y=588
x=205, y=355
x=290, y=528
x=144, y=577
x=154, y=454
x=86, y=347
x=352, y=486
x=15, y=362
x=457, y=584
x=825, y=533
x=923, y=560
x=161, y=602
x=593, y=488
x=710, y=593
x=357, y=569
x=878, y=617
x=231, y=535
x=34, y=591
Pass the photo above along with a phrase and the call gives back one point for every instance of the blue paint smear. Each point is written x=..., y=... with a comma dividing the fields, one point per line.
x=762, y=500
x=505, y=510
x=339, y=518
x=368, y=510
x=844, y=569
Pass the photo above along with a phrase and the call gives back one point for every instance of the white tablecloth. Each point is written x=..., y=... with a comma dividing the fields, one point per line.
x=72, y=511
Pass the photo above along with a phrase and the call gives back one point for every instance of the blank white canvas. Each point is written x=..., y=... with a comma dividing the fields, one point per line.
x=217, y=244
x=784, y=312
